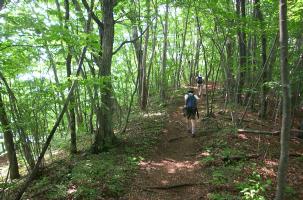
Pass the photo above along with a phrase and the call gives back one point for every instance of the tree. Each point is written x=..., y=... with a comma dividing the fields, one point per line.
x=286, y=95
x=164, y=56
x=105, y=135
x=9, y=142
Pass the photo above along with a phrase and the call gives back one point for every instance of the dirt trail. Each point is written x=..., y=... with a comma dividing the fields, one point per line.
x=173, y=171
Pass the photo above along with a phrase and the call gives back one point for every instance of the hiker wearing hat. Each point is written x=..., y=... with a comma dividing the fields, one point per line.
x=191, y=110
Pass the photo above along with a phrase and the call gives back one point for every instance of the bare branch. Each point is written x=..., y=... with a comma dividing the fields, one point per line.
x=130, y=41
x=94, y=16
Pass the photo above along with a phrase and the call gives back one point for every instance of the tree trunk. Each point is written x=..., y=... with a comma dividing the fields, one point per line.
x=181, y=51
x=228, y=71
x=285, y=129
x=104, y=136
x=242, y=49
x=72, y=125
x=164, y=56
x=264, y=89
x=17, y=117
x=9, y=142
x=143, y=102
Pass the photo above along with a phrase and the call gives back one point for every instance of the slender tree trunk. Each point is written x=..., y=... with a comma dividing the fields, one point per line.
x=285, y=129
x=72, y=126
x=144, y=93
x=9, y=142
x=154, y=43
x=164, y=56
x=242, y=49
x=264, y=89
x=228, y=71
x=182, y=49
x=17, y=116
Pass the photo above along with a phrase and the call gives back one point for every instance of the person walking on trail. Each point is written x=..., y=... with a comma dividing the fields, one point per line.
x=199, y=80
x=191, y=110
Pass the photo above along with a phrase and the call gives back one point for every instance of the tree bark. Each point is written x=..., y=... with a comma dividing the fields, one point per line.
x=105, y=135
x=17, y=116
x=144, y=92
x=182, y=49
x=285, y=129
x=9, y=142
x=242, y=49
x=264, y=88
x=72, y=117
x=164, y=56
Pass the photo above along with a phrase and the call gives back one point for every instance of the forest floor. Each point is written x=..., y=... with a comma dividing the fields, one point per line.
x=218, y=163
x=157, y=159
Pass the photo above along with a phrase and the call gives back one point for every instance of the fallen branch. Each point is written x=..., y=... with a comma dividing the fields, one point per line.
x=167, y=187
x=295, y=155
x=238, y=158
x=258, y=131
x=228, y=159
x=177, y=138
x=296, y=132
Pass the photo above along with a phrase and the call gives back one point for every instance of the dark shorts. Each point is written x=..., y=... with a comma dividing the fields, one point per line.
x=191, y=113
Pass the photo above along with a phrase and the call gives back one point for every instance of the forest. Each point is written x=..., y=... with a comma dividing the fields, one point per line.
x=94, y=99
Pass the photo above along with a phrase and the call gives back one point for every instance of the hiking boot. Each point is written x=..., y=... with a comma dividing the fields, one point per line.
x=193, y=135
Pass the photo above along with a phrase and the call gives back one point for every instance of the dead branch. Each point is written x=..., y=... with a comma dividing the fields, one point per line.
x=295, y=132
x=258, y=131
x=177, y=138
x=167, y=187
x=238, y=158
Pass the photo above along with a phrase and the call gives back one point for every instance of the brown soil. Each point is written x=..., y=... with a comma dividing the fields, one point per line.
x=175, y=171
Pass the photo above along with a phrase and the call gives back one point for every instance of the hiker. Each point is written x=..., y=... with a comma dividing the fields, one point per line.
x=199, y=81
x=191, y=110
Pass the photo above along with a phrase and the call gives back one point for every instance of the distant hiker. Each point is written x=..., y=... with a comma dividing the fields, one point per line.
x=199, y=81
x=191, y=110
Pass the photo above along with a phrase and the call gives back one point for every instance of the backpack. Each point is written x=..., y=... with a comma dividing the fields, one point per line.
x=200, y=80
x=191, y=102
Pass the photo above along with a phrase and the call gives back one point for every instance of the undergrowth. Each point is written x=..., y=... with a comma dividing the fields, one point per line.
x=91, y=176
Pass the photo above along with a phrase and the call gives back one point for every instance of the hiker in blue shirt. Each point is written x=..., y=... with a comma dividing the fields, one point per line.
x=191, y=110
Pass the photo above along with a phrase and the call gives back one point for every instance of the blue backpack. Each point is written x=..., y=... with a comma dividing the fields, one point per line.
x=200, y=80
x=191, y=102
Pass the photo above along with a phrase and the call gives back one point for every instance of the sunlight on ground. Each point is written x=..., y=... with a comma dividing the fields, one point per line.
x=203, y=154
x=72, y=189
x=153, y=114
x=267, y=172
x=164, y=182
x=3, y=171
x=271, y=163
x=170, y=166
x=242, y=136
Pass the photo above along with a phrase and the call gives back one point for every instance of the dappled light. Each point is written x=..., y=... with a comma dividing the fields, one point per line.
x=155, y=114
x=243, y=136
x=170, y=166
x=151, y=100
